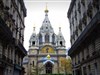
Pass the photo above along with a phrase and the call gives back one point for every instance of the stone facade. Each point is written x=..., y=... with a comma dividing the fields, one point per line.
x=45, y=50
x=84, y=18
x=12, y=26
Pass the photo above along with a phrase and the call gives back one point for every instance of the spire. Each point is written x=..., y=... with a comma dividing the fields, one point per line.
x=46, y=10
x=46, y=25
x=59, y=29
x=60, y=33
x=34, y=28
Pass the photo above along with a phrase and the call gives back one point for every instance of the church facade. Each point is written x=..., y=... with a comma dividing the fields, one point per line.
x=45, y=50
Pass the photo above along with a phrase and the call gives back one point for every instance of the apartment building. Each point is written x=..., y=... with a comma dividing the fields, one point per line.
x=84, y=19
x=12, y=51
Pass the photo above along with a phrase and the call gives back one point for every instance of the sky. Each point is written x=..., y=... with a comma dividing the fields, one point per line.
x=57, y=15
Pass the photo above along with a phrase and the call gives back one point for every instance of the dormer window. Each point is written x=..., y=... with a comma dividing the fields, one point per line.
x=46, y=21
x=46, y=27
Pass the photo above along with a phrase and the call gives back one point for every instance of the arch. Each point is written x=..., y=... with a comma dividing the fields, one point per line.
x=61, y=43
x=48, y=68
x=47, y=49
x=33, y=43
x=46, y=38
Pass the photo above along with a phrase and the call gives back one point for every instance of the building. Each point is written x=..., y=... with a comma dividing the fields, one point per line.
x=12, y=13
x=84, y=18
x=46, y=49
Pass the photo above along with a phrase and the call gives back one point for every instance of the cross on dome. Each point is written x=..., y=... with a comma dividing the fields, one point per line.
x=46, y=10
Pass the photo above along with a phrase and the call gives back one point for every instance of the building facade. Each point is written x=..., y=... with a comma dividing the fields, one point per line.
x=45, y=50
x=84, y=19
x=12, y=13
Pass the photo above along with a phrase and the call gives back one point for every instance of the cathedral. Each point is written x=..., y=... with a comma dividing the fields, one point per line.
x=45, y=50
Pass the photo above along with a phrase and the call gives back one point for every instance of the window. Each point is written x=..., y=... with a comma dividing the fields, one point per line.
x=0, y=48
x=84, y=71
x=75, y=15
x=83, y=55
x=89, y=68
x=53, y=38
x=79, y=6
x=46, y=27
x=33, y=43
x=96, y=68
x=84, y=20
x=33, y=63
x=89, y=11
x=79, y=58
x=83, y=2
x=40, y=39
x=61, y=43
x=87, y=51
x=46, y=38
x=96, y=4
x=33, y=36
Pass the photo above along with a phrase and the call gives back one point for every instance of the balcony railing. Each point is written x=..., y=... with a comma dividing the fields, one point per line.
x=20, y=47
x=3, y=58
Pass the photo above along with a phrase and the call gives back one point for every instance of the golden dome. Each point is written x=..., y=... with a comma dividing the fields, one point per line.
x=48, y=56
x=46, y=11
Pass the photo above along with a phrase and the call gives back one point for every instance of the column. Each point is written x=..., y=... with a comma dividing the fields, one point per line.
x=43, y=38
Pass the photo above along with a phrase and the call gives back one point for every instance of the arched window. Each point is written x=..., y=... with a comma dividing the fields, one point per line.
x=46, y=38
x=48, y=67
x=61, y=43
x=53, y=39
x=40, y=39
x=33, y=42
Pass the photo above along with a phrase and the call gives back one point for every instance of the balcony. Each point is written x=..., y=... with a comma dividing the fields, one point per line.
x=5, y=31
x=10, y=61
x=20, y=47
x=96, y=4
x=5, y=59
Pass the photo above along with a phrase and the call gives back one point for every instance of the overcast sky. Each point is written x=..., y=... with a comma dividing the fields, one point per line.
x=57, y=16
